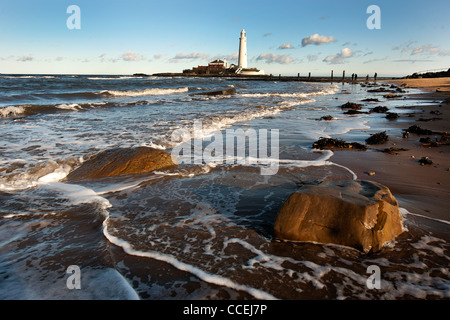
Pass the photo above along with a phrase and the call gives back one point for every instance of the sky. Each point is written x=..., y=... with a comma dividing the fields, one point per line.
x=283, y=37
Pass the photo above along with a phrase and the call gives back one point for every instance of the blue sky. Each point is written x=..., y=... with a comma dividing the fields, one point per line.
x=283, y=37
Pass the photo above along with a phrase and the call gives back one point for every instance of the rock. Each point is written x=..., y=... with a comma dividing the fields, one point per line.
x=391, y=96
x=326, y=118
x=393, y=150
x=378, y=138
x=122, y=161
x=351, y=105
x=379, y=109
x=371, y=100
x=418, y=130
x=425, y=160
x=216, y=92
x=392, y=116
x=331, y=144
x=427, y=142
x=352, y=112
x=355, y=213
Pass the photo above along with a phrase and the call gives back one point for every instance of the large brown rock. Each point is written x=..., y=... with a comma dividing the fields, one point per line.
x=356, y=213
x=122, y=161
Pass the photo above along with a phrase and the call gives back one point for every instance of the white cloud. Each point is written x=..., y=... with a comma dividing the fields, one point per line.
x=286, y=46
x=317, y=40
x=444, y=53
x=375, y=60
x=131, y=56
x=25, y=58
x=231, y=58
x=275, y=58
x=312, y=57
x=340, y=57
x=158, y=55
x=411, y=60
x=425, y=49
x=193, y=55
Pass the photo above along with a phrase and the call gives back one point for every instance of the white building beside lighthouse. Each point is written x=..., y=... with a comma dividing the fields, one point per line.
x=242, y=59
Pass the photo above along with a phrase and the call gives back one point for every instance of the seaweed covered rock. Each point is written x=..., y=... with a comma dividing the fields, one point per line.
x=418, y=130
x=332, y=144
x=379, y=109
x=355, y=213
x=392, y=116
x=122, y=161
x=352, y=106
x=378, y=138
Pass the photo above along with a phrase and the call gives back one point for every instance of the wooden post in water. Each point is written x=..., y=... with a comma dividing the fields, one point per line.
x=298, y=76
x=343, y=76
x=279, y=77
x=331, y=75
x=309, y=76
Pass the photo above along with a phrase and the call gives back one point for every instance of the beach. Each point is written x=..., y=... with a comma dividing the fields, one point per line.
x=204, y=229
x=423, y=189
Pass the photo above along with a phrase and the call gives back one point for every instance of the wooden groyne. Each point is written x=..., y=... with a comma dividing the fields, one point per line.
x=307, y=77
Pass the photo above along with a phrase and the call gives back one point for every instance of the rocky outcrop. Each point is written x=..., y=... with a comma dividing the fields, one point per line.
x=122, y=161
x=355, y=213
x=216, y=92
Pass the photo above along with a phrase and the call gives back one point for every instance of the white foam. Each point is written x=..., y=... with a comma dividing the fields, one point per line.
x=72, y=106
x=77, y=194
x=118, y=78
x=146, y=92
x=405, y=212
x=11, y=111
x=328, y=91
x=25, y=180
x=203, y=275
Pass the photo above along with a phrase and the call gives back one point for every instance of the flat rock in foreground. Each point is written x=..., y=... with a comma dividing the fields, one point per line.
x=355, y=213
x=122, y=161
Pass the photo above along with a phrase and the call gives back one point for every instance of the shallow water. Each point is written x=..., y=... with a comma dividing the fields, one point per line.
x=203, y=230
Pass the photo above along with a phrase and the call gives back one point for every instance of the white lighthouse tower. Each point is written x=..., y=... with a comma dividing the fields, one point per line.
x=242, y=62
x=242, y=68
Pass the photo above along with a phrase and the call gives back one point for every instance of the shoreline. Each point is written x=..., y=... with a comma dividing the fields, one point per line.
x=423, y=190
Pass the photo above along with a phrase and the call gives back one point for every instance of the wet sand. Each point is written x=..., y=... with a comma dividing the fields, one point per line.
x=424, y=190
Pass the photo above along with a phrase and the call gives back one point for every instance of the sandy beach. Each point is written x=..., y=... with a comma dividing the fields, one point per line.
x=422, y=189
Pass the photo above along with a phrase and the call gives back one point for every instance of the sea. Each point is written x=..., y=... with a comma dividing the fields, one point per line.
x=204, y=229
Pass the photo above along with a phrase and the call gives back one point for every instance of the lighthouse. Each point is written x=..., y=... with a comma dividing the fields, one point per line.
x=242, y=62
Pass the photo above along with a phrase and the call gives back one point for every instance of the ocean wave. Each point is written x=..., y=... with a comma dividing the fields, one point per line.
x=13, y=111
x=218, y=123
x=327, y=91
x=113, y=78
x=44, y=173
x=146, y=92
x=27, y=110
x=93, y=94
x=33, y=109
